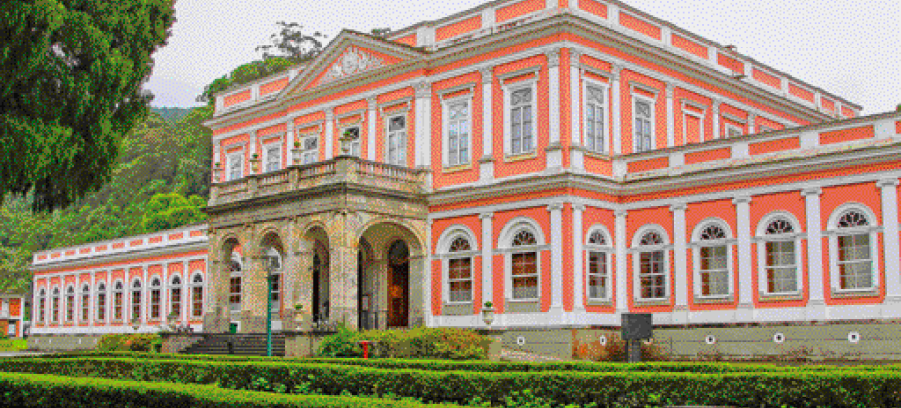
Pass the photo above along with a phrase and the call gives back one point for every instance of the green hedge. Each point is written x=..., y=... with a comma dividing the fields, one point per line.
x=421, y=342
x=795, y=388
x=30, y=390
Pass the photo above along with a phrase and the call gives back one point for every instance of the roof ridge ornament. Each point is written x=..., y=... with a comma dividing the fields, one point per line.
x=352, y=61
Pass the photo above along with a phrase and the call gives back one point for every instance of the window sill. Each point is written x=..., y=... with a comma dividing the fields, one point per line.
x=520, y=157
x=781, y=297
x=854, y=293
x=596, y=155
x=598, y=302
x=652, y=302
x=531, y=300
x=457, y=169
x=708, y=300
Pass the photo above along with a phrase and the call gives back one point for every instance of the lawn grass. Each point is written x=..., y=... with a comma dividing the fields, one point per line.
x=13, y=345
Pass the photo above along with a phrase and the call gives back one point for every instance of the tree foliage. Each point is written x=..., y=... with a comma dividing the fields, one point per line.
x=172, y=210
x=70, y=87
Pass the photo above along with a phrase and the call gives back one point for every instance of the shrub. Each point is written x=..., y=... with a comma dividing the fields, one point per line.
x=344, y=343
x=440, y=343
x=130, y=342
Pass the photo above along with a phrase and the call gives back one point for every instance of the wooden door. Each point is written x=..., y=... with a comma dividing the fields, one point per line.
x=398, y=285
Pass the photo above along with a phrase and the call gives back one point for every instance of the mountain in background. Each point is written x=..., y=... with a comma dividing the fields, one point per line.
x=171, y=114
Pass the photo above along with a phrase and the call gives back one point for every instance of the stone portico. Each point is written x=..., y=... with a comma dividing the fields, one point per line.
x=351, y=234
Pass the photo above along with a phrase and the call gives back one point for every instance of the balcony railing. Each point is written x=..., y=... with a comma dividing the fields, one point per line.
x=342, y=169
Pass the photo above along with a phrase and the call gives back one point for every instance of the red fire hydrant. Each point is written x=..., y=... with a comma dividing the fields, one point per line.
x=365, y=344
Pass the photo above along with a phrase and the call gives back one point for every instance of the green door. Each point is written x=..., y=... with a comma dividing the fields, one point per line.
x=233, y=328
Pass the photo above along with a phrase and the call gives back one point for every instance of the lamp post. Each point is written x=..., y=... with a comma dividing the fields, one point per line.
x=269, y=278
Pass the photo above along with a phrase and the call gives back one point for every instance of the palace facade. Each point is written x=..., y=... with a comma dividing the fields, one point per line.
x=566, y=160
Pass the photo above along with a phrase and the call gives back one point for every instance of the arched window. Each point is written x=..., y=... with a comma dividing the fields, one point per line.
x=101, y=302
x=70, y=304
x=54, y=313
x=652, y=266
x=42, y=306
x=136, y=300
x=197, y=295
x=118, y=301
x=598, y=250
x=524, y=263
x=156, y=294
x=853, y=253
x=713, y=260
x=234, y=285
x=459, y=271
x=175, y=298
x=779, y=256
x=85, y=302
x=273, y=264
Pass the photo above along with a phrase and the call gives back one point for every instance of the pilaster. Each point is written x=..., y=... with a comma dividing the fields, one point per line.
x=890, y=220
x=716, y=119
x=576, y=154
x=329, y=133
x=680, y=270
x=556, y=213
x=554, y=151
x=816, y=306
x=578, y=261
x=370, y=128
x=487, y=246
x=486, y=163
x=670, y=115
x=615, y=107
x=423, y=125
x=745, y=310
x=622, y=300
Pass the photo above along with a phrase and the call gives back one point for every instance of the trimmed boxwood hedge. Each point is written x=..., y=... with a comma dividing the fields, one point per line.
x=794, y=388
x=31, y=390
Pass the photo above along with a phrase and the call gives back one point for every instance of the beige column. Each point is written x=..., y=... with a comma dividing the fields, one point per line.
x=342, y=274
x=254, y=290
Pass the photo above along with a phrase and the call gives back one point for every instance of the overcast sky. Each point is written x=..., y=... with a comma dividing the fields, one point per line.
x=849, y=48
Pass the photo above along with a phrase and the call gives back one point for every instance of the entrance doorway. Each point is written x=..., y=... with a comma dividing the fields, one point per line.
x=398, y=285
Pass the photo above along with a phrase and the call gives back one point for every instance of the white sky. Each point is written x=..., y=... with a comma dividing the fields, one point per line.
x=849, y=48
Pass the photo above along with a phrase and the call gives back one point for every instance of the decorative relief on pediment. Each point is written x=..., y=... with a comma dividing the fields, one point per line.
x=353, y=61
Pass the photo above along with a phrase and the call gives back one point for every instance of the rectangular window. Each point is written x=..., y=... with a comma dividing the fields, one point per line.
x=101, y=306
x=309, y=149
x=854, y=261
x=273, y=289
x=70, y=308
x=525, y=275
x=652, y=274
x=597, y=275
x=273, y=157
x=235, y=166
x=234, y=298
x=117, y=305
x=197, y=299
x=780, y=267
x=397, y=141
x=714, y=271
x=595, y=113
x=460, y=279
x=42, y=311
x=521, y=121
x=353, y=133
x=643, y=113
x=175, y=301
x=85, y=307
x=136, y=305
x=458, y=129
x=155, y=298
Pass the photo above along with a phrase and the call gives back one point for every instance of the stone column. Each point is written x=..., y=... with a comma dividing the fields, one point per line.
x=254, y=291
x=889, y=188
x=578, y=257
x=615, y=102
x=92, y=298
x=745, y=311
x=554, y=153
x=556, y=243
x=486, y=163
x=816, y=306
x=423, y=279
x=576, y=155
x=680, y=269
x=185, y=298
x=620, y=239
x=342, y=274
x=145, y=298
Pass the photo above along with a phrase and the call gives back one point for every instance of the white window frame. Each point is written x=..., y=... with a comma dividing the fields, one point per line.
x=203, y=301
x=509, y=89
x=608, y=251
x=446, y=105
x=230, y=159
x=272, y=252
x=636, y=99
x=124, y=292
x=697, y=243
x=445, y=241
x=231, y=275
x=605, y=134
x=81, y=303
x=834, y=232
x=729, y=126
x=637, y=249
x=150, y=288
x=101, y=289
x=42, y=306
x=131, y=297
x=761, y=240
x=356, y=145
x=505, y=246
x=691, y=109
x=56, y=298
x=181, y=293
x=267, y=148
x=308, y=156
x=70, y=289
x=401, y=161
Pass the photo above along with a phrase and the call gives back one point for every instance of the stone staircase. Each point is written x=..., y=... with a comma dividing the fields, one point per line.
x=248, y=344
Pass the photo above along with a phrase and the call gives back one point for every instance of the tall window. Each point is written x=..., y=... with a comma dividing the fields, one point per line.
x=70, y=304
x=175, y=296
x=273, y=157
x=234, y=286
x=524, y=271
x=136, y=300
x=595, y=113
x=309, y=149
x=156, y=294
x=644, y=133
x=235, y=165
x=458, y=133
x=354, y=143
x=714, y=265
x=118, y=301
x=459, y=267
x=652, y=267
x=781, y=263
x=274, y=264
x=397, y=140
x=598, y=251
x=197, y=295
x=521, y=121
x=42, y=309
x=855, y=257
x=85, y=303
x=54, y=313
x=101, y=302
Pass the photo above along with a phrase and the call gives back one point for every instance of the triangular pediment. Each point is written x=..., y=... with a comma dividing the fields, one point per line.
x=351, y=54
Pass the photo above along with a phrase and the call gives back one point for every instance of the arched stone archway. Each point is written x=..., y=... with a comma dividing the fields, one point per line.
x=226, y=262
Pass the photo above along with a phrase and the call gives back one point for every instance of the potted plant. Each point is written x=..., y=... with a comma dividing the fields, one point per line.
x=173, y=320
x=298, y=315
x=255, y=162
x=488, y=313
x=217, y=172
x=295, y=153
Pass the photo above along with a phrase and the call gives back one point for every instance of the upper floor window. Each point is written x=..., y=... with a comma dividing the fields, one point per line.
x=457, y=137
x=713, y=254
x=309, y=149
x=598, y=251
x=522, y=121
x=595, y=115
x=352, y=134
x=852, y=251
x=273, y=264
x=779, y=256
x=397, y=141
x=273, y=157
x=235, y=164
x=643, y=116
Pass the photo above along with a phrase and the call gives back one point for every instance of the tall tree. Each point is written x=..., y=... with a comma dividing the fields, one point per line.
x=70, y=86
